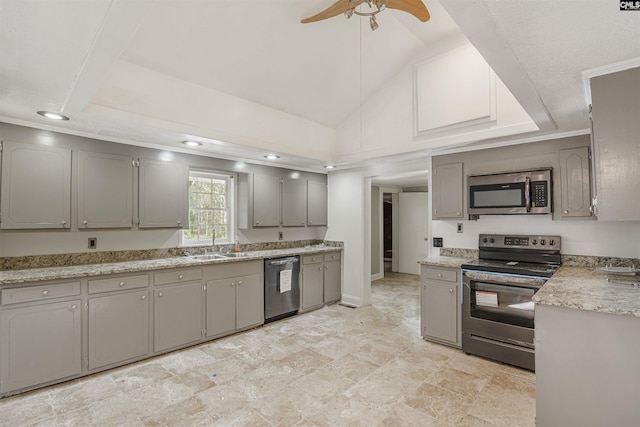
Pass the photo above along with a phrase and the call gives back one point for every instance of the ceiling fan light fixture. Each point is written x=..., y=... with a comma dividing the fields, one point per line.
x=348, y=14
x=373, y=23
x=381, y=5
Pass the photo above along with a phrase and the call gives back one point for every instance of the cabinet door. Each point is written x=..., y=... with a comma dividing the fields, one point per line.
x=36, y=186
x=448, y=191
x=312, y=285
x=40, y=344
x=441, y=304
x=316, y=203
x=118, y=328
x=249, y=301
x=177, y=316
x=105, y=190
x=616, y=138
x=575, y=185
x=294, y=202
x=266, y=201
x=332, y=281
x=162, y=199
x=221, y=306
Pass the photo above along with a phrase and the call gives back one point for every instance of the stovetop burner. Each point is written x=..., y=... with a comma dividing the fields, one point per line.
x=530, y=255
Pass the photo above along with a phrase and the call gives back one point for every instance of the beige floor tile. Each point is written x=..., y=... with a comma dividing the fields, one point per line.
x=440, y=403
x=459, y=382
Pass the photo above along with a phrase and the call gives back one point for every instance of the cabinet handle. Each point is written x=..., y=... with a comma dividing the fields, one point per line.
x=180, y=276
x=45, y=293
x=302, y=222
x=121, y=284
x=458, y=213
x=239, y=282
x=439, y=274
x=63, y=223
x=159, y=294
x=143, y=297
x=310, y=222
x=179, y=224
x=257, y=222
x=326, y=267
x=233, y=284
x=319, y=268
x=450, y=291
x=73, y=307
x=565, y=212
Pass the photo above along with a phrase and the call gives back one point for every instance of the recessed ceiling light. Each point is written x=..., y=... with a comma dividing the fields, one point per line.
x=52, y=116
x=271, y=157
x=329, y=167
x=192, y=143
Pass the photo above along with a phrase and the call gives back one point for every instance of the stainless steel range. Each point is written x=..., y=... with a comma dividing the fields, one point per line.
x=497, y=313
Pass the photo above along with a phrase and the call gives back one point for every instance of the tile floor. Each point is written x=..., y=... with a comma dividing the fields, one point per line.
x=336, y=366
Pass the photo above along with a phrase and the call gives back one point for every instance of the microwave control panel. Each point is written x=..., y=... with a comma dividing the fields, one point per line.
x=539, y=194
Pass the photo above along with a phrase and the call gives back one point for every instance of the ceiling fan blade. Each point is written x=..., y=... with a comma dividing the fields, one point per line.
x=414, y=7
x=341, y=6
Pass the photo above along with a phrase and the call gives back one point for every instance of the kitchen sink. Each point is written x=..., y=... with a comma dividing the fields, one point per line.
x=208, y=257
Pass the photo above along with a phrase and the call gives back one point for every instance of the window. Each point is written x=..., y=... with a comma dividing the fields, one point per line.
x=210, y=208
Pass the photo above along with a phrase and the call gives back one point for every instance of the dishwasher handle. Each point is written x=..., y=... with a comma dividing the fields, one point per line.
x=283, y=261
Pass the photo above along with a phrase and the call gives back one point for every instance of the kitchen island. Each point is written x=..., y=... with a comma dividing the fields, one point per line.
x=587, y=332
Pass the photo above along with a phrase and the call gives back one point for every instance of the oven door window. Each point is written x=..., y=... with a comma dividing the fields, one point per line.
x=502, y=303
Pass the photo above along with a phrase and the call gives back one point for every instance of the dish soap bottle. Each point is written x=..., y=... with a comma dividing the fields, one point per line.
x=237, y=247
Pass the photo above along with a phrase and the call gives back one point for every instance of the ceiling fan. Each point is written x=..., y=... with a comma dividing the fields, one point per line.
x=350, y=7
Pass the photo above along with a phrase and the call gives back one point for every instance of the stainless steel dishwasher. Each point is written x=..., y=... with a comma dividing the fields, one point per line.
x=281, y=287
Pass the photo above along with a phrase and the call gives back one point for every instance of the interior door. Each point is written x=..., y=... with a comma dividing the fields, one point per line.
x=412, y=231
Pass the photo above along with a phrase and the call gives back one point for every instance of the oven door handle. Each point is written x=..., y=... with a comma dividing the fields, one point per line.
x=506, y=279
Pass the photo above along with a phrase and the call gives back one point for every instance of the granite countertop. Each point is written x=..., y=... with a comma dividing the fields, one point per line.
x=583, y=289
x=444, y=261
x=55, y=273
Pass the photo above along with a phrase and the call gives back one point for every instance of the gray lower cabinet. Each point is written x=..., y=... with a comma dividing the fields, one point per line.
x=118, y=328
x=40, y=344
x=177, y=315
x=321, y=280
x=312, y=286
x=440, y=305
x=332, y=277
x=233, y=304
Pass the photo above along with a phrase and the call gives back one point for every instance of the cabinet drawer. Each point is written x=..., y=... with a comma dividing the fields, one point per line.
x=118, y=283
x=441, y=274
x=41, y=292
x=332, y=256
x=177, y=276
x=311, y=259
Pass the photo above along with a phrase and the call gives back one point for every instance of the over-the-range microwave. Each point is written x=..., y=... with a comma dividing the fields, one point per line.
x=524, y=192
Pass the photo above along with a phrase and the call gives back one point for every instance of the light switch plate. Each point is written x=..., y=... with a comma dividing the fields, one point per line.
x=459, y=229
x=437, y=242
x=93, y=243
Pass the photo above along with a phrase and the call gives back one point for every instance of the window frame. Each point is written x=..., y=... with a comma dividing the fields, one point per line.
x=230, y=178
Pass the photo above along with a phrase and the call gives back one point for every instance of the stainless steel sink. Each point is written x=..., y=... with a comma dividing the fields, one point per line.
x=208, y=257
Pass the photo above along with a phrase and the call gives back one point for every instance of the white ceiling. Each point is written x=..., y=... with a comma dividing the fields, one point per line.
x=58, y=54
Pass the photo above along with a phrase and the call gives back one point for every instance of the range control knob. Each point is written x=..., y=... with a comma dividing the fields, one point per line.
x=551, y=242
x=542, y=242
x=485, y=240
x=492, y=240
x=534, y=242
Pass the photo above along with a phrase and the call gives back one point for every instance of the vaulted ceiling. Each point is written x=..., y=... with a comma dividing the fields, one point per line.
x=110, y=64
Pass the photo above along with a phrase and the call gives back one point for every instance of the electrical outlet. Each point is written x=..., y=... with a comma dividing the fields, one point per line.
x=93, y=243
x=459, y=227
x=437, y=242
x=280, y=235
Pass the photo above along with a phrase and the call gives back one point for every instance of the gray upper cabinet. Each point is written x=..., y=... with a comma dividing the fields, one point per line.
x=294, y=202
x=316, y=203
x=448, y=193
x=266, y=200
x=40, y=343
x=162, y=198
x=36, y=186
x=105, y=190
x=575, y=185
x=616, y=139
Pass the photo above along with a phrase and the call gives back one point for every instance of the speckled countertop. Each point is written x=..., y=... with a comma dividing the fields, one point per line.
x=445, y=261
x=55, y=273
x=582, y=288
